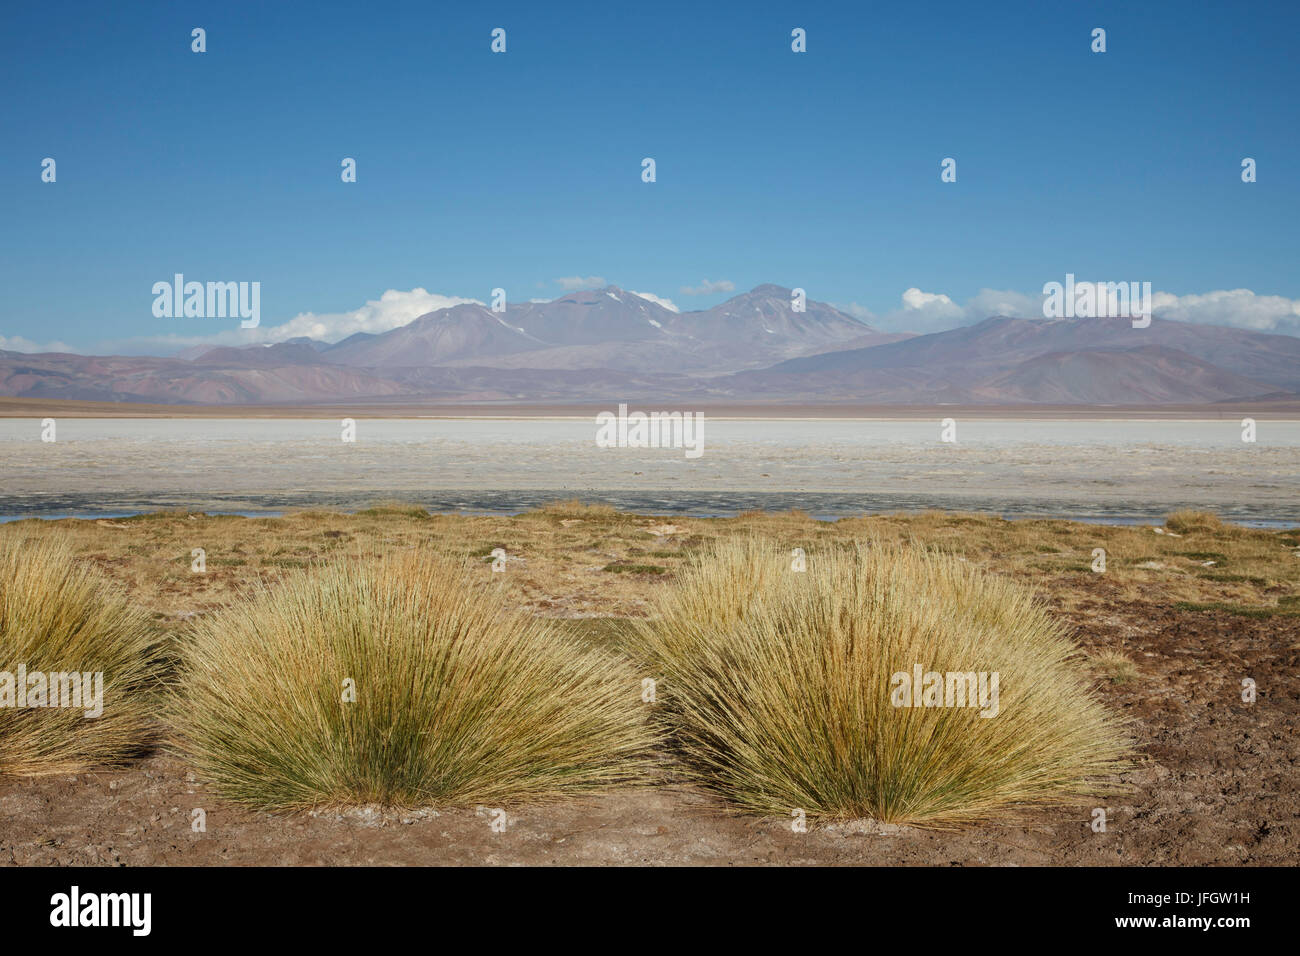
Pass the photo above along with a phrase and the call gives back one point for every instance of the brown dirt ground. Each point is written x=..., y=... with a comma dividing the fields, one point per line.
x=1217, y=785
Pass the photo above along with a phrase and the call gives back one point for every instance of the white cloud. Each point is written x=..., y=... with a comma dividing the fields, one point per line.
x=1236, y=308
x=923, y=312
x=1239, y=308
x=709, y=287
x=919, y=301
x=989, y=302
x=575, y=283
x=18, y=343
x=936, y=312
x=919, y=311
x=392, y=309
x=666, y=303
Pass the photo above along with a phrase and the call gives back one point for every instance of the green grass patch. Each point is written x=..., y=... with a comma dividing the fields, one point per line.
x=1239, y=610
x=1234, y=578
x=394, y=511
x=621, y=567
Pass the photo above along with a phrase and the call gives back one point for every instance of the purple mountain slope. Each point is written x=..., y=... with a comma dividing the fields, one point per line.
x=602, y=344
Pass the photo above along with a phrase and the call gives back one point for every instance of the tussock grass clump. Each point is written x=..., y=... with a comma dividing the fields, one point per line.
x=1189, y=522
x=576, y=508
x=457, y=699
x=394, y=509
x=622, y=567
x=1115, y=666
x=778, y=687
x=59, y=616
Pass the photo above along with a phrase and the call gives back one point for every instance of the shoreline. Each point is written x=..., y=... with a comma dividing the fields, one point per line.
x=1077, y=468
x=831, y=509
x=22, y=408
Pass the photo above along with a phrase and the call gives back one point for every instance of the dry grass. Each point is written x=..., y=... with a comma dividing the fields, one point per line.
x=556, y=561
x=576, y=508
x=1203, y=579
x=59, y=615
x=777, y=687
x=457, y=699
x=1187, y=522
x=1114, y=666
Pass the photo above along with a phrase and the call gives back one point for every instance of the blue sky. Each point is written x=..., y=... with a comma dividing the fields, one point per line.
x=478, y=170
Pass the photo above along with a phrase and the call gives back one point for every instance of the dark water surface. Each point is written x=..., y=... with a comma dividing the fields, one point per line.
x=826, y=506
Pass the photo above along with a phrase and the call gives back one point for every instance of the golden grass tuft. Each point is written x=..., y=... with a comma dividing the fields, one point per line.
x=776, y=687
x=395, y=509
x=1189, y=522
x=1114, y=666
x=577, y=508
x=61, y=616
x=457, y=699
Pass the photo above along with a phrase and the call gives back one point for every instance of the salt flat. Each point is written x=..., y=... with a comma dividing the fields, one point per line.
x=1063, y=468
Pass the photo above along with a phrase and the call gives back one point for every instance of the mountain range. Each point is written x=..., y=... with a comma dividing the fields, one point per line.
x=607, y=345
